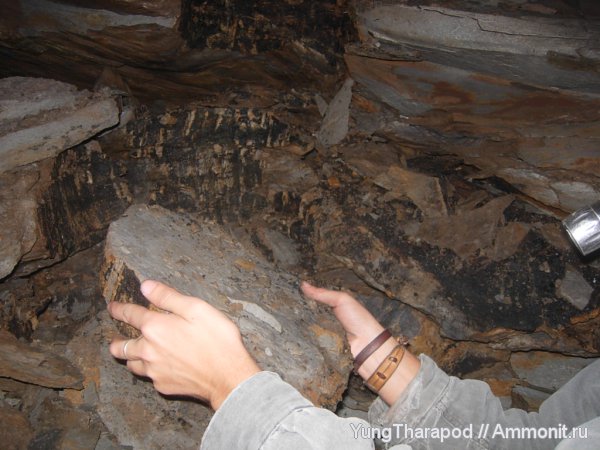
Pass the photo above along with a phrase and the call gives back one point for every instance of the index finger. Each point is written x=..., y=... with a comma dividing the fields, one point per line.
x=168, y=299
x=130, y=313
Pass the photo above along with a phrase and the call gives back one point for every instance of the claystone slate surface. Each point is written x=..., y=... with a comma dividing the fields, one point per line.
x=283, y=331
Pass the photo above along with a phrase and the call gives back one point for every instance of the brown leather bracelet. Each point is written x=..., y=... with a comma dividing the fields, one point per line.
x=386, y=369
x=370, y=349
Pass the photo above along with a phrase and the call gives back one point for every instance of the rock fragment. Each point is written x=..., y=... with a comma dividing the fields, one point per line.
x=575, y=289
x=547, y=371
x=468, y=232
x=283, y=331
x=40, y=118
x=335, y=122
x=25, y=363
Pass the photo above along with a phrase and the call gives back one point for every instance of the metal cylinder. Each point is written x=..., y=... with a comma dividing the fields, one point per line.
x=583, y=227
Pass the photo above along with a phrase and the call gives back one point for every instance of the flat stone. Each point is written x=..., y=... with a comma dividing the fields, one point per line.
x=519, y=47
x=283, y=331
x=335, y=121
x=575, y=289
x=370, y=159
x=547, y=370
x=469, y=232
x=81, y=20
x=282, y=249
x=26, y=363
x=423, y=190
x=41, y=118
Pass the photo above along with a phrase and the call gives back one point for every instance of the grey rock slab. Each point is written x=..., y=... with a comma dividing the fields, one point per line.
x=461, y=29
x=335, y=121
x=77, y=19
x=575, y=289
x=547, y=370
x=283, y=331
x=21, y=97
x=423, y=190
x=468, y=232
x=529, y=48
x=41, y=118
x=33, y=365
x=282, y=248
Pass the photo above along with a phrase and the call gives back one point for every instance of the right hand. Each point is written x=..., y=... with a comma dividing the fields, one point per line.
x=195, y=350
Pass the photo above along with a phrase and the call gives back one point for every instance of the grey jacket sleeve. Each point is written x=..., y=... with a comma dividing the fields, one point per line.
x=435, y=406
x=266, y=413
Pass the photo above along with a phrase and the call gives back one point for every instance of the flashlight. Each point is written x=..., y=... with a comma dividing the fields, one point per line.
x=583, y=227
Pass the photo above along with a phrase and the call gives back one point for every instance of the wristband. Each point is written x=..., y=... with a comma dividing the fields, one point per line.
x=386, y=369
x=370, y=349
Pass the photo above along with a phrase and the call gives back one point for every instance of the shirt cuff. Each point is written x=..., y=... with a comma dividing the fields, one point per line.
x=262, y=401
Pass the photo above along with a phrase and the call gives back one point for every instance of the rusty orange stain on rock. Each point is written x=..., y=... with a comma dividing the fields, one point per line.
x=545, y=105
x=591, y=315
x=334, y=182
x=73, y=396
x=500, y=388
x=244, y=264
x=365, y=104
x=445, y=93
x=328, y=338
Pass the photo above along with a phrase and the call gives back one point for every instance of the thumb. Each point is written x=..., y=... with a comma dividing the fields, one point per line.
x=326, y=296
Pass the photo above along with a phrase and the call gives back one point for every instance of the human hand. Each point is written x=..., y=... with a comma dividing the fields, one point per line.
x=360, y=325
x=361, y=328
x=194, y=351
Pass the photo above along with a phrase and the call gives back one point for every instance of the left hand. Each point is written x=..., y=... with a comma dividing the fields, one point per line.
x=195, y=351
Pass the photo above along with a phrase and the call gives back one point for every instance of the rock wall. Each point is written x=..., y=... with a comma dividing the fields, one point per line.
x=220, y=52
x=432, y=188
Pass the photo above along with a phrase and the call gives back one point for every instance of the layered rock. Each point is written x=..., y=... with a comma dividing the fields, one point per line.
x=483, y=266
x=36, y=366
x=509, y=91
x=40, y=118
x=283, y=332
x=223, y=52
x=534, y=48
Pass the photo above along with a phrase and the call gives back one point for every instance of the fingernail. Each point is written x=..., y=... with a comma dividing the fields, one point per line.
x=147, y=287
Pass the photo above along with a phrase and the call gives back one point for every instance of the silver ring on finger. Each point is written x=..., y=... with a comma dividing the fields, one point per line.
x=125, y=348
